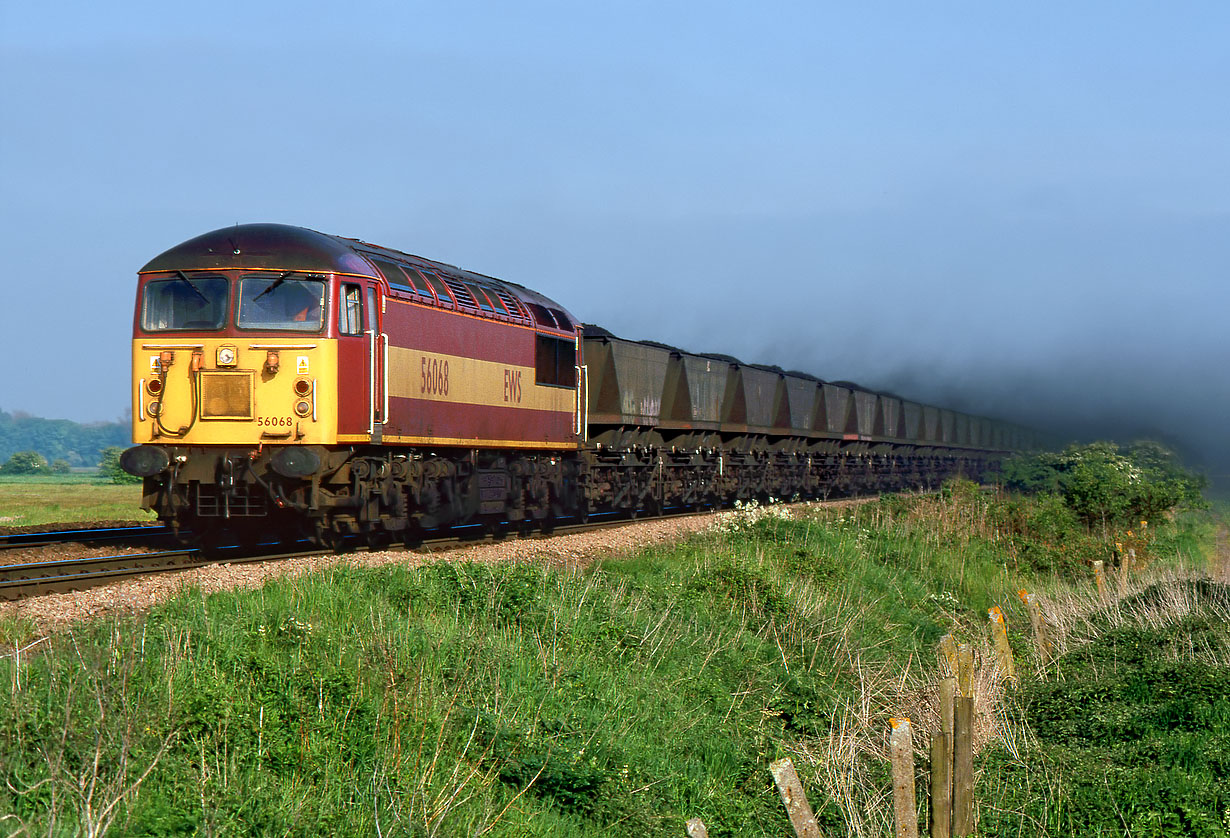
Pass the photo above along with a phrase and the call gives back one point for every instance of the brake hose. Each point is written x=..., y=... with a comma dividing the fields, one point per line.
x=162, y=377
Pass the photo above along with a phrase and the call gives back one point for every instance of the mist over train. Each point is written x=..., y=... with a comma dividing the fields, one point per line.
x=973, y=313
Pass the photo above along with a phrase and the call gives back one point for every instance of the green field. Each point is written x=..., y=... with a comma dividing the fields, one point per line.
x=457, y=699
x=70, y=498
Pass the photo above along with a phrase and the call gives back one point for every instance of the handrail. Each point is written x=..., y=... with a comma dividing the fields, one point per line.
x=371, y=380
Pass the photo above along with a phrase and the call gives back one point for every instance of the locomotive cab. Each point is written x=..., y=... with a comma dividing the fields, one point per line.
x=234, y=358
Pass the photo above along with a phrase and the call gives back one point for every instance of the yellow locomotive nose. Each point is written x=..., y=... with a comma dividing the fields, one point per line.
x=225, y=393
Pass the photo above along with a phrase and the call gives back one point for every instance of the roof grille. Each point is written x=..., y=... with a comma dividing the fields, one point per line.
x=510, y=302
x=460, y=292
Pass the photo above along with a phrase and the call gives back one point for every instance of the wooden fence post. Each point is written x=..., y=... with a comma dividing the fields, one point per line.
x=1126, y=565
x=901, y=746
x=941, y=762
x=1099, y=576
x=948, y=696
x=948, y=652
x=696, y=829
x=941, y=786
x=791, y=790
x=999, y=633
x=1041, y=641
x=965, y=669
x=963, y=769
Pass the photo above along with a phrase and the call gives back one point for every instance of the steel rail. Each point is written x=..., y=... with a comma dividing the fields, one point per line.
x=80, y=535
x=34, y=578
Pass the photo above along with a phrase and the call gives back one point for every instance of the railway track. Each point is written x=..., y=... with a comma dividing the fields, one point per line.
x=19, y=581
x=83, y=535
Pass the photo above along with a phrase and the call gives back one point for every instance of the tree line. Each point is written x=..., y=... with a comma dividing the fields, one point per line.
x=33, y=445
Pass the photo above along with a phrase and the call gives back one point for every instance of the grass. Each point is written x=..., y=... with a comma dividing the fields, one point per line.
x=458, y=699
x=1130, y=730
x=68, y=498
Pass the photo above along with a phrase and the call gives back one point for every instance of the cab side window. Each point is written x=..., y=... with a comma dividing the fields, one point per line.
x=350, y=311
x=372, y=309
x=555, y=362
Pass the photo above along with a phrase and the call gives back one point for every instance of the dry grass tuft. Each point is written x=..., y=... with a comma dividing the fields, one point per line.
x=1153, y=600
x=849, y=762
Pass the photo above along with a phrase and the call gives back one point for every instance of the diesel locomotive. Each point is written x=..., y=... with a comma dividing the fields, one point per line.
x=287, y=382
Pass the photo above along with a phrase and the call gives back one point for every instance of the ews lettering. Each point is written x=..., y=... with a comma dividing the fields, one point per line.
x=512, y=386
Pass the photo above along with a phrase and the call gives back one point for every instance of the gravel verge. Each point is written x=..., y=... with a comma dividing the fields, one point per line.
x=51, y=612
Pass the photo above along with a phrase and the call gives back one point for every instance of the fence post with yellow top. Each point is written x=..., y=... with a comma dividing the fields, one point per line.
x=999, y=634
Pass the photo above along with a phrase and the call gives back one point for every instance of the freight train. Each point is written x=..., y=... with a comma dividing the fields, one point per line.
x=287, y=382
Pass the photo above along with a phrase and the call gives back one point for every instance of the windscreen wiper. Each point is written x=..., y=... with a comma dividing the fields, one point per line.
x=184, y=278
x=275, y=284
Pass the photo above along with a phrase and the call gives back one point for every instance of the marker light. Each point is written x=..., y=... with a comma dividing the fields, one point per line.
x=303, y=387
x=154, y=386
x=303, y=408
x=226, y=356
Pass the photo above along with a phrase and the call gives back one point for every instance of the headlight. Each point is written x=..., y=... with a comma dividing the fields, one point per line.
x=226, y=356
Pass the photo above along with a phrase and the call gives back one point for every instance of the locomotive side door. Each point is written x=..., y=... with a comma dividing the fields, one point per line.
x=355, y=367
x=377, y=366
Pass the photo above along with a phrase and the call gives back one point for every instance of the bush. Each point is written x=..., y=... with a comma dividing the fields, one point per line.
x=25, y=462
x=109, y=466
x=59, y=467
x=1110, y=486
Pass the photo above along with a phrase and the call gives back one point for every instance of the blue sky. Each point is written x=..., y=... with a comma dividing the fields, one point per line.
x=1020, y=210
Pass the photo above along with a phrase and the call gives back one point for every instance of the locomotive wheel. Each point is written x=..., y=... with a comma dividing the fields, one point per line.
x=377, y=538
x=330, y=538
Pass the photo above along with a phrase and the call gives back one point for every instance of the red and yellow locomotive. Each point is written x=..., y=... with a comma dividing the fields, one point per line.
x=289, y=377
